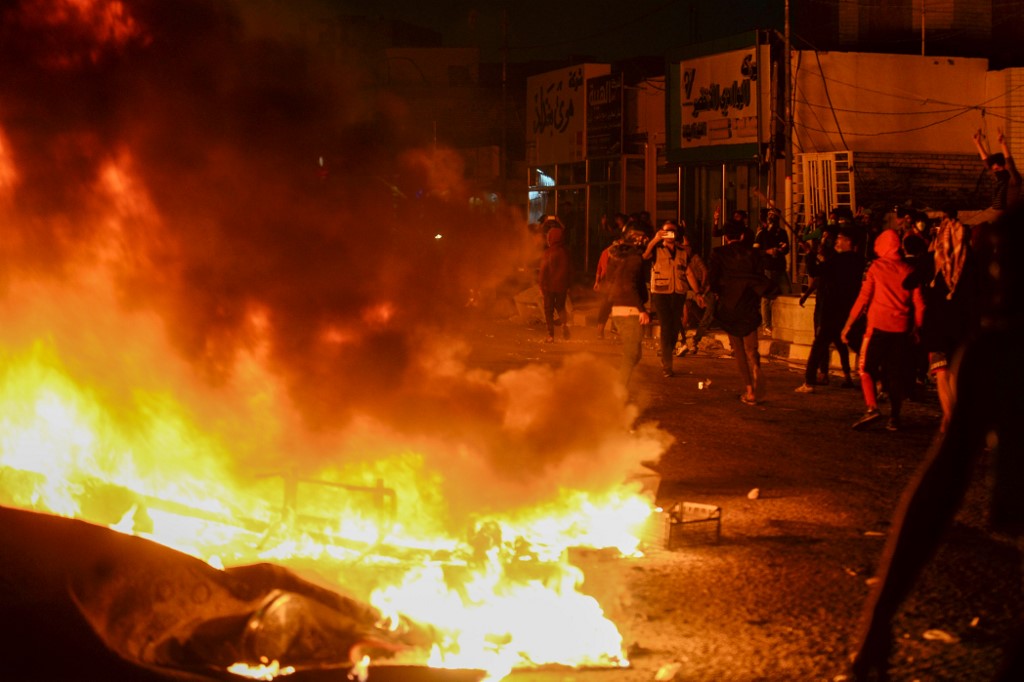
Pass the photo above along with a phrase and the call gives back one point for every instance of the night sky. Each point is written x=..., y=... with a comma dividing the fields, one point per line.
x=546, y=30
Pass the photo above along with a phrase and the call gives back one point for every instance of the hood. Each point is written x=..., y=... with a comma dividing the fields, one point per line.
x=554, y=236
x=887, y=244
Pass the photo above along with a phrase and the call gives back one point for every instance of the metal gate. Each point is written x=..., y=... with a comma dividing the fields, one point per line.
x=823, y=181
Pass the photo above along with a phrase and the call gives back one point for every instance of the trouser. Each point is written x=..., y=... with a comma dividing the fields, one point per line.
x=554, y=300
x=710, y=301
x=748, y=362
x=670, y=318
x=604, y=312
x=781, y=278
x=885, y=354
x=817, y=360
x=631, y=335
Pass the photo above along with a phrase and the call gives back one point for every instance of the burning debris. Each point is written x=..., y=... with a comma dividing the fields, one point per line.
x=213, y=344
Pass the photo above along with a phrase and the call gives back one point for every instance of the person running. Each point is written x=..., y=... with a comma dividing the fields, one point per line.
x=894, y=318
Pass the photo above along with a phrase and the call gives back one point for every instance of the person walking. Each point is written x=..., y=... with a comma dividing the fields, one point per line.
x=835, y=280
x=736, y=277
x=604, y=310
x=951, y=295
x=669, y=288
x=554, y=279
x=695, y=310
x=626, y=287
x=894, y=318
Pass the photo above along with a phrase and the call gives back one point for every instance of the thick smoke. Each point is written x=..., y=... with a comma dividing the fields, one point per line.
x=287, y=202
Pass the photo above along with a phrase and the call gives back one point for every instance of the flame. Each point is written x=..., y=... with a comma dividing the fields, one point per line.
x=113, y=411
x=266, y=670
x=117, y=447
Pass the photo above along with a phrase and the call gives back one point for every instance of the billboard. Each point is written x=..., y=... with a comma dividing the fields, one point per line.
x=716, y=104
x=604, y=116
x=556, y=111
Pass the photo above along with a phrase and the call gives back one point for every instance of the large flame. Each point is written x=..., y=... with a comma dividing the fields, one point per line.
x=501, y=595
x=103, y=421
x=198, y=348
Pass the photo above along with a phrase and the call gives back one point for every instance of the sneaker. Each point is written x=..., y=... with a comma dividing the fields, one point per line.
x=668, y=373
x=872, y=415
x=804, y=388
x=681, y=350
x=893, y=424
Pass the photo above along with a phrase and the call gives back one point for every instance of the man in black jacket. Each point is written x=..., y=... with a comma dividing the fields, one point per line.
x=736, y=276
x=626, y=287
x=835, y=279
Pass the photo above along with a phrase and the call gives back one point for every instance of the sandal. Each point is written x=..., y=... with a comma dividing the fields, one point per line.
x=746, y=400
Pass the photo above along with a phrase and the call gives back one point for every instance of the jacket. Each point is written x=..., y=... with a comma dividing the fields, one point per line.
x=890, y=306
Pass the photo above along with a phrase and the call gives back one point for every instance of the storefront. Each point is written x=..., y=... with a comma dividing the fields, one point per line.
x=590, y=152
x=724, y=130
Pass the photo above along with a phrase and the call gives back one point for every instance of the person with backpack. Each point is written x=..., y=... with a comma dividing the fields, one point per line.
x=626, y=287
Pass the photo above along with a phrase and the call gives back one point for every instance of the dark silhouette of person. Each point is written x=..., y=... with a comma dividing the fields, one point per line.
x=985, y=419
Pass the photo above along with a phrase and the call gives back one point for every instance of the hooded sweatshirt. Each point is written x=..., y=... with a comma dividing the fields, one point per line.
x=890, y=306
x=555, y=272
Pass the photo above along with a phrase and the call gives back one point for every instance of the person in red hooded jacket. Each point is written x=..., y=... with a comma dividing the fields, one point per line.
x=894, y=318
x=555, y=277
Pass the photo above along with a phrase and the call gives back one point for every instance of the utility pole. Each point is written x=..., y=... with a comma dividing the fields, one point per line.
x=788, y=164
x=503, y=151
x=923, y=2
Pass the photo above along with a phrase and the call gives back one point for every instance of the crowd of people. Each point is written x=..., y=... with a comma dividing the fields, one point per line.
x=917, y=296
x=894, y=291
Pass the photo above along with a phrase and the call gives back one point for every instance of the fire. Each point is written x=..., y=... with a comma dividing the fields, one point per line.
x=191, y=335
x=503, y=596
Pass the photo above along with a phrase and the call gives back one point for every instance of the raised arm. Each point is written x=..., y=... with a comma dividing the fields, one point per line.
x=981, y=147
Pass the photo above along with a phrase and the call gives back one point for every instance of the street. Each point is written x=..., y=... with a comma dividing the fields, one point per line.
x=806, y=506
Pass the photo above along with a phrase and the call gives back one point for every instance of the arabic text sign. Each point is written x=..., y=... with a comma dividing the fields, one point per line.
x=719, y=99
x=556, y=113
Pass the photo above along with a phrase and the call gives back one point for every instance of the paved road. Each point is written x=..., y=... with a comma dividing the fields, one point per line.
x=778, y=598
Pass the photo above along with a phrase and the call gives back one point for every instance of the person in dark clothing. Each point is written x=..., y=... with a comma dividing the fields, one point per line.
x=736, y=277
x=626, y=288
x=983, y=430
x=950, y=288
x=1004, y=172
x=772, y=244
x=836, y=279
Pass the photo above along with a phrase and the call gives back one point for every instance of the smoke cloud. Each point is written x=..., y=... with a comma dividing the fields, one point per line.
x=262, y=202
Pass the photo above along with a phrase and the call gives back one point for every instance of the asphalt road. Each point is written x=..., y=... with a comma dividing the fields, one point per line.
x=779, y=595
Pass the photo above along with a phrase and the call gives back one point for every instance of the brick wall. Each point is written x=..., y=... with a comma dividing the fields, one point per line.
x=936, y=180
